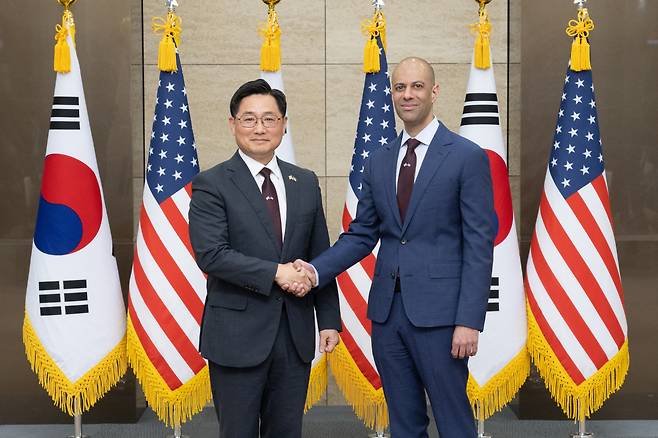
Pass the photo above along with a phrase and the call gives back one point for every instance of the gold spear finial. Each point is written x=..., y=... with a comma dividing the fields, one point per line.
x=66, y=3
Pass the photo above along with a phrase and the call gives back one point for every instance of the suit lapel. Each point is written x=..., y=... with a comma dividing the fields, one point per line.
x=246, y=184
x=434, y=157
x=292, y=193
x=391, y=181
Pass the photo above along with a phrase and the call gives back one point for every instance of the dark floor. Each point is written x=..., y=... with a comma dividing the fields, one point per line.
x=336, y=422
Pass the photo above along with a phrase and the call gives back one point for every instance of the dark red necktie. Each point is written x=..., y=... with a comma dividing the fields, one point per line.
x=406, y=177
x=272, y=204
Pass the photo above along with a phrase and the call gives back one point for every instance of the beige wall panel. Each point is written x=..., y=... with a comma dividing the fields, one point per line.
x=210, y=88
x=138, y=193
x=515, y=31
x=435, y=30
x=336, y=189
x=226, y=32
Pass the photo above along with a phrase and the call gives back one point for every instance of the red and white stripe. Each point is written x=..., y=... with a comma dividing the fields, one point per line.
x=354, y=287
x=167, y=289
x=573, y=282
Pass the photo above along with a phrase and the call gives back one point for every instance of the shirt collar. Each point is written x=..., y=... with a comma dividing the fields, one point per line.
x=255, y=167
x=425, y=136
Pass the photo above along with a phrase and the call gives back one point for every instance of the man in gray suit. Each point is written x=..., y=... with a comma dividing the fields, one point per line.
x=249, y=217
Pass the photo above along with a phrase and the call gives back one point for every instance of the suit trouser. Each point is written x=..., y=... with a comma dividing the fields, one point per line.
x=270, y=395
x=412, y=360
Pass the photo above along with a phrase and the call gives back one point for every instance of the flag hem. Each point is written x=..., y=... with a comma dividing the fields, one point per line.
x=368, y=403
x=502, y=387
x=591, y=393
x=88, y=389
x=173, y=407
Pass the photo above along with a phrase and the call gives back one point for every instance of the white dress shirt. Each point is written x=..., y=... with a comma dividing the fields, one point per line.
x=425, y=138
x=277, y=179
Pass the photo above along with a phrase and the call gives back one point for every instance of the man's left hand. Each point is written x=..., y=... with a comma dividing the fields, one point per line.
x=464, y=342
x=328, y=340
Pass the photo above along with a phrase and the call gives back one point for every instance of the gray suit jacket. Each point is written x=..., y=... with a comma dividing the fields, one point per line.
x=233, y=238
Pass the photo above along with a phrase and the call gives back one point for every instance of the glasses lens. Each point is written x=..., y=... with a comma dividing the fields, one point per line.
x=248, y=121
x=269, y=121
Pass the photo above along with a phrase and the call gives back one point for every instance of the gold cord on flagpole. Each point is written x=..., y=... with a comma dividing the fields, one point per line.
x=62, y=57
x=171, y=28
x=270, y=52
x=373, y=28
x=482, y=31
x=580, y=29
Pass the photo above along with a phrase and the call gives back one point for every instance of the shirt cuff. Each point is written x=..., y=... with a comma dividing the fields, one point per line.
x=317, y=277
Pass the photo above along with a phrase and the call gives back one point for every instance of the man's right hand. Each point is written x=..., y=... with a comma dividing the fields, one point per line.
x=293, y=279
x=310, y=271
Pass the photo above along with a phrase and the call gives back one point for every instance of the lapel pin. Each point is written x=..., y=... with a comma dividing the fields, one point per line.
x=292, y=178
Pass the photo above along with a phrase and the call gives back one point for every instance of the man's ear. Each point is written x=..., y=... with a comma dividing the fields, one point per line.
x=231, y=124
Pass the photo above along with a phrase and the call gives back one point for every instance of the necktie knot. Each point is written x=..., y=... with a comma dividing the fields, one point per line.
x=411, y=144
x=266, y=172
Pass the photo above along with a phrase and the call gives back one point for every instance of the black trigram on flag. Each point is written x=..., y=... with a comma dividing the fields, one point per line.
x=66, y=113
x=480, y=109
x=494, y=295
x=73, y=293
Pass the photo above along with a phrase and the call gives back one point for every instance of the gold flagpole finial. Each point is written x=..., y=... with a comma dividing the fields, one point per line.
x=66, y=3
x=580, y=29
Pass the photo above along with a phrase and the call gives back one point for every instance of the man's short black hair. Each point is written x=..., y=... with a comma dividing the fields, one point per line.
x=259, y=86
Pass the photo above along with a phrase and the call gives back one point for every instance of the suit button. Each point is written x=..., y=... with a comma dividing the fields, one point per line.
x=278, y=298
x=403, y=241
x=392, y=274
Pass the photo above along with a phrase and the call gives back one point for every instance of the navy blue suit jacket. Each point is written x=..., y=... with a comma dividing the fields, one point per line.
x=443, y=251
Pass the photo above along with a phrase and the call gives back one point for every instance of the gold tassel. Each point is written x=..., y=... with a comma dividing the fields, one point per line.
x=317, y=383
x=501, y=388
x=62, y=58
x=270, y=52
x=376, y=27
x=172, y=407
x=482, y=50
x=368, y=403
x=79, y=396
x=171, y=29
x=580, y=51
x=577, y=401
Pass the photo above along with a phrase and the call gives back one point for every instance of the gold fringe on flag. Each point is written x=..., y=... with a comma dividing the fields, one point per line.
x=373, y=28
x=62, y=58
x=579, y=29
x=576, y=401
x=482, y=31
x=270, y=52
x=84, y=392
x=501, y=388
x=173, y=407
x=368, y=403
x=171, y=28
x=317, y=383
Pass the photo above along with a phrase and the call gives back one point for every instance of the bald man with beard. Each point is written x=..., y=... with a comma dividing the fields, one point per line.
x=428, y=198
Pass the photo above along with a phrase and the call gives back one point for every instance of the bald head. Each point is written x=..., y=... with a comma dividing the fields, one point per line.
x=414, y=93
x=418, y=64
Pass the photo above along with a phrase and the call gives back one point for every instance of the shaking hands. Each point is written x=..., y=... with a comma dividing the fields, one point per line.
x=297, y=278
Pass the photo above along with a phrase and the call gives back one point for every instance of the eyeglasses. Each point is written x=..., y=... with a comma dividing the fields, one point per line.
x=250, y=121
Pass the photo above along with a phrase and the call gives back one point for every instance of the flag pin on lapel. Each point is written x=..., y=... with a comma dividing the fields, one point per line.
x=292, y=178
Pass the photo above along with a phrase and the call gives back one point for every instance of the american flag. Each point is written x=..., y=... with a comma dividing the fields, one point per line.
x=573, y=283
x=376, y=128
x=167, y=289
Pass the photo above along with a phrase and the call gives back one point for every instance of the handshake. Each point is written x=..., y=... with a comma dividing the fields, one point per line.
x=297, y=278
